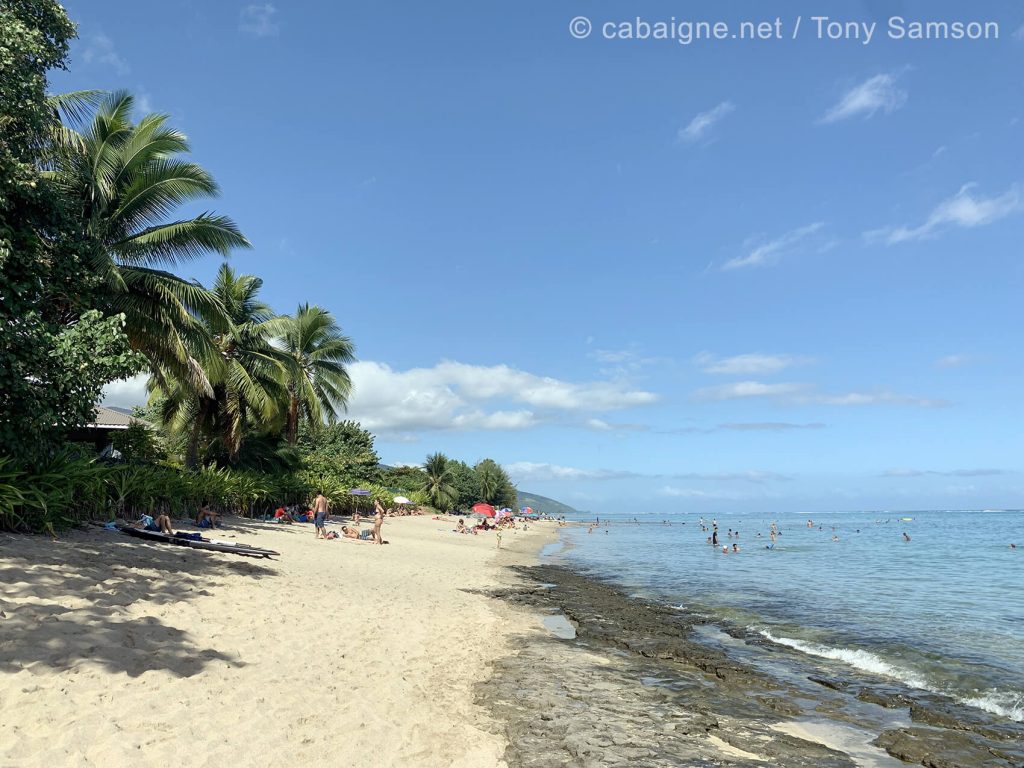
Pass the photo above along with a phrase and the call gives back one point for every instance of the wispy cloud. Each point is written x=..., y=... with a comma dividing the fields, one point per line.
x=752, y=364
x=257, y=20
x=953, y=361
x=622, y=362
x=943, y=473
x=529, y=470
x=1019, y=34
x=965, y=209
x=771, y=251
x=879, y=93
x=806, y=394
x=746, y=389
x=769, y=426
x=101, y=50
x=459, y=396
x=702, y=124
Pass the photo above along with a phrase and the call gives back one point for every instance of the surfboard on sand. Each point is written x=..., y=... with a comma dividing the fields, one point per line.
x=213, y=546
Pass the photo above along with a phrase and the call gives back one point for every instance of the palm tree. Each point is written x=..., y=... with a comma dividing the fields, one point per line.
x=243, y=367
x=314, y=354
x=126, y=180
x=438, y=485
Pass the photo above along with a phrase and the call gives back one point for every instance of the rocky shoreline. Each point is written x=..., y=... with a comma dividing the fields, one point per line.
x=648, y=685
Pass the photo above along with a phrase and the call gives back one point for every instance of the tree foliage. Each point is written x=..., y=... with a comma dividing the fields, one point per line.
x=56, y=349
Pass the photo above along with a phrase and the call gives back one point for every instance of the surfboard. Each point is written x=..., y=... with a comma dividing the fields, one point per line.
x=212, y=546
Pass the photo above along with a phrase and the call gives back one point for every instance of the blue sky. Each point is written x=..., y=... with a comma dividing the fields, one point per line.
x=760, y=275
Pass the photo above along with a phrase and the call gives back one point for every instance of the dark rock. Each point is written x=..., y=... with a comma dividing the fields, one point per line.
x=828, y=682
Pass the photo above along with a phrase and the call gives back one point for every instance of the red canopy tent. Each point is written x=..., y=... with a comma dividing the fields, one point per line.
x=484, y=509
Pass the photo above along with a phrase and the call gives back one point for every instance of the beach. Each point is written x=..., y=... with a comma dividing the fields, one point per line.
x=437, y=649
x=115, y=652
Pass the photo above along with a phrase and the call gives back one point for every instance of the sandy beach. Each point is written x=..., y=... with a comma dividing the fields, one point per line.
x=115, y=652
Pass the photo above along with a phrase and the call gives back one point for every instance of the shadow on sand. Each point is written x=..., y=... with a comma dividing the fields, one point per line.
x=77, y=600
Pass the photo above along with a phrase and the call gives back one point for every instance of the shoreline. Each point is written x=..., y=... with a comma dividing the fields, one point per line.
x=120, y=652
x=645, y=682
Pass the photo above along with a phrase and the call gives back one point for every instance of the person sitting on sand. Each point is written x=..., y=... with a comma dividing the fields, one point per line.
x=281, y=515
x=206, y=518
x=158, y=524
x=461, y=527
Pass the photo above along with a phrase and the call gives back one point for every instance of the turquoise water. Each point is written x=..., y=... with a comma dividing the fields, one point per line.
x=943, y=612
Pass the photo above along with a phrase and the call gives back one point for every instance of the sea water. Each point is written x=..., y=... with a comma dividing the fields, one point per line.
x=943, y=612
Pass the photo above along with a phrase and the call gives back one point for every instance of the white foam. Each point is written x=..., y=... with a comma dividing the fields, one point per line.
x=1005, y=703
x=1008, y=704
x=863, y=660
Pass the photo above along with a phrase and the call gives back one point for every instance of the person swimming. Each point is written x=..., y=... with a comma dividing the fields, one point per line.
x=905, y=536
x=736, y=548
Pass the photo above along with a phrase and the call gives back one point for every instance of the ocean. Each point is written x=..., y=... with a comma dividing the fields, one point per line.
x=943, y=612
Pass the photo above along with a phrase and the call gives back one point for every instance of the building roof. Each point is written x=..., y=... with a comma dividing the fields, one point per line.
x=108, y=418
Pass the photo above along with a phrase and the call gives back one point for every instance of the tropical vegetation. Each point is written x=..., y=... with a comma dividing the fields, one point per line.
x=244, y=403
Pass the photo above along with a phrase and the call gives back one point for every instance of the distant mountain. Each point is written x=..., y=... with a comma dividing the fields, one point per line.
x=544, y=504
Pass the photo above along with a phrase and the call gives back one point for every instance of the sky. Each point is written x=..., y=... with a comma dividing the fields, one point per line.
x=760, y=275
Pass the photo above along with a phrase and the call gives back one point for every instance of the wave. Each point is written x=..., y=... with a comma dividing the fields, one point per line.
x=1005, y=703
x=1009, y=704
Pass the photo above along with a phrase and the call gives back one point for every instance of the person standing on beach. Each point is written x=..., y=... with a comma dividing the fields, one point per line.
x=320, y=505
x=378, y=521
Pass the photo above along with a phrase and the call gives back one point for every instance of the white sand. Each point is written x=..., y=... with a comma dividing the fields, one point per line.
x=121, y=653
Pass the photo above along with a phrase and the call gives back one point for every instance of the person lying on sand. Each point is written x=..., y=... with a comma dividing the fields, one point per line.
x=357, y=535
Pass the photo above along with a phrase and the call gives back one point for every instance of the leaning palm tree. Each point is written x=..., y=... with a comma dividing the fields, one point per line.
x=437, y=486
x=243, y=367
x=125, y=181
x=314, y=354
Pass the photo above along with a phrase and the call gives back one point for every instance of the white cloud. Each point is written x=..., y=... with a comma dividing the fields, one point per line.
x=771, y=251
x=621, y=362
x=528, y=470
x=879, y=93
x=769, y=426
x=964, y=209
x=804, y=394
x=872, y=398
x=126, y=393
x=945, y=473
x=1019, y=34
x=696, y=493
x=953, y=361
x=257, y=20
x=452, y=395
x=743, y=389
x=100, y=50
x=143, y=104
x=705, y=121
x=748, y=364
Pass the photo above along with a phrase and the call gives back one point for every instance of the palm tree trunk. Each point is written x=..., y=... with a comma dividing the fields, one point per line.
x=192, y=451
x=293, y=419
